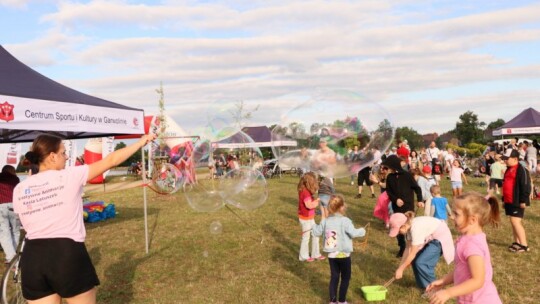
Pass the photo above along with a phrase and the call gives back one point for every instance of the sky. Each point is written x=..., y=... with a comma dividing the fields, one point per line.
x=424, y=62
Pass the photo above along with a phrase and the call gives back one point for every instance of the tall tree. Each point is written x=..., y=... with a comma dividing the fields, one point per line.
x=469, y=128
x=496, y=124
x=414, y=138
x=240, y=114
x=161, y=117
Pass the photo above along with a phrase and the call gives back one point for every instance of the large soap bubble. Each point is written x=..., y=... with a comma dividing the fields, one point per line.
x=222, y=120
x=244, y=188
x=166, y=179
x=327, y=126
x=204, y=196
x=201, y=152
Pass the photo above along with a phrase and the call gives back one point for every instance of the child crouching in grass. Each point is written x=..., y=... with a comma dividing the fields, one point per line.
x=337, y=239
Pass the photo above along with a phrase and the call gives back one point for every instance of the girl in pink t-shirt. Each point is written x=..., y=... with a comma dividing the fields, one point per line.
x=457, y=177
x=473, y=273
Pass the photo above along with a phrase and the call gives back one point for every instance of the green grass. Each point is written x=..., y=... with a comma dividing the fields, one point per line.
x=255, y=257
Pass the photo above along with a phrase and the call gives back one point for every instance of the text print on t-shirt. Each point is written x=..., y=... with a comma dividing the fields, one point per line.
x=40, y=198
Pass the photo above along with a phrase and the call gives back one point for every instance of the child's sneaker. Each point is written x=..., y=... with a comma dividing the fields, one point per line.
x=309, y=260
x=344, y=302
x=321, y=258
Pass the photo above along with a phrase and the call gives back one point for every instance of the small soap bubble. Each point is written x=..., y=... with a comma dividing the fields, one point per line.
x=216, y=227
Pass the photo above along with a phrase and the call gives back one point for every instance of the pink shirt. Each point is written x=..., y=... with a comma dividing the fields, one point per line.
x=49, y=204
x=455, y=174
x=475, y=245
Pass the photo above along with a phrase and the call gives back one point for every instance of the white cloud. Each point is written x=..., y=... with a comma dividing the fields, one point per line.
x=260, y=50
x=15, y=3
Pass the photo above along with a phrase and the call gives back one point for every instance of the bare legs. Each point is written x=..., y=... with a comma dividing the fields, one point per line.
x=518, y=230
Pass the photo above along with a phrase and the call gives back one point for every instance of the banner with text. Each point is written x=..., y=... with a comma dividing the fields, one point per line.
x=34, y=114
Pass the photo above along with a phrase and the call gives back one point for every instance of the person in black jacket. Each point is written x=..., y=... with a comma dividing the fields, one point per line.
x=401, y=187
x=515, y=195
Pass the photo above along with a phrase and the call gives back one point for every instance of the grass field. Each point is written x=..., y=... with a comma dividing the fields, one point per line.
x=255, y=257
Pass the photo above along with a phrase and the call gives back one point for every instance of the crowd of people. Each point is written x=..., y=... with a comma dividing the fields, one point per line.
x=410, y=180
x=49, y=206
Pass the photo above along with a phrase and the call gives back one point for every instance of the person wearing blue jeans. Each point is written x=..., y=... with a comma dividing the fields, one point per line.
x=427, y=239
x=326, y=190
x=9, y=223
x=424, y=263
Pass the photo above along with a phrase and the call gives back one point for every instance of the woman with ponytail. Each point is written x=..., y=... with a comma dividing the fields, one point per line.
x=55, y=263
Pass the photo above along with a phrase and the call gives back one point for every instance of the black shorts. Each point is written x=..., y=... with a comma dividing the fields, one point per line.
x=58, y=265
x=495, y=181
x=363, y=176
x=511, y=210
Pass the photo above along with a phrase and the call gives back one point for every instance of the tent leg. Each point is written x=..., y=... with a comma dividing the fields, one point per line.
x=145, y=204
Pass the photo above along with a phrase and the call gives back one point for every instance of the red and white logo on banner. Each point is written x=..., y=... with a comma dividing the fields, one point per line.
x=6, y=111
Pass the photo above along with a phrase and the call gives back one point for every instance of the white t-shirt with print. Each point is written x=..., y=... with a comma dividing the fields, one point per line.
x=49, y=204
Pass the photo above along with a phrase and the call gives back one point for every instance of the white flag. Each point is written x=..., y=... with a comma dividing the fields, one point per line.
x=71, y=152
x=107, y=148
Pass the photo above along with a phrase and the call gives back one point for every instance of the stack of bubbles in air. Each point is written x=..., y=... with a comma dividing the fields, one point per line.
x=309, y=132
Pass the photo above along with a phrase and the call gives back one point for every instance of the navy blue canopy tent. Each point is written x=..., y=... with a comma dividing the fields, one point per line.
x=31, y=103
x=526, y=122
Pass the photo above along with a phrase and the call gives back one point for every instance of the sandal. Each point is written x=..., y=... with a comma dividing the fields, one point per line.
x=514, y=247
x=522, y=249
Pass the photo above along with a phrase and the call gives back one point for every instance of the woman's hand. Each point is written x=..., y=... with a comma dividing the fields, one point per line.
x=400, y=202
x=148, y=138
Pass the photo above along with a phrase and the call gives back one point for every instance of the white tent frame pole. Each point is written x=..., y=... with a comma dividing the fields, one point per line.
x=145, y=203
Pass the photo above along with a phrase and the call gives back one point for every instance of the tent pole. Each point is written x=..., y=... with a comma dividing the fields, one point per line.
x=144, y=198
